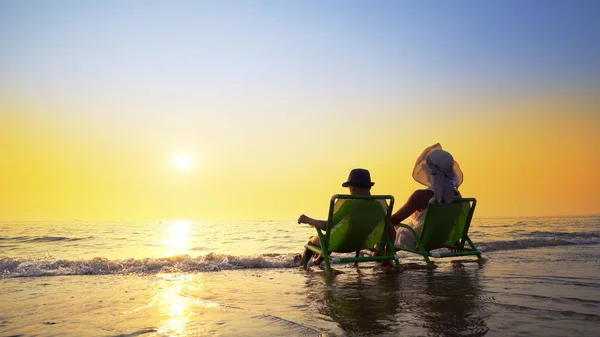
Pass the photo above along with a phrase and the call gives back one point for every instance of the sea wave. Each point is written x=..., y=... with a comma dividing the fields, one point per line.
x=53, y=266
x=543, y=239
x=37, y=239
x=566, y=235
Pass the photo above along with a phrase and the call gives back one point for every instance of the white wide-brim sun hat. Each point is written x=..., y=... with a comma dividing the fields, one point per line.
x=436, y=156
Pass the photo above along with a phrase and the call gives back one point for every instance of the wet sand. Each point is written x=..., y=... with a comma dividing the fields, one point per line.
x=536, y=292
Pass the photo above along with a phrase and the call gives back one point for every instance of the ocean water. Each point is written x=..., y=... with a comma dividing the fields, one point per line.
x=539, y=276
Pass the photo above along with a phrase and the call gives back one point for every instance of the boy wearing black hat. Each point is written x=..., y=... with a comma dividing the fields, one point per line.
x=359, y=183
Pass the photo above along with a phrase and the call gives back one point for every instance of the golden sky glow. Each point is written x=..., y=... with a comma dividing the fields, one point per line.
x=265, y=123
x=519, y=158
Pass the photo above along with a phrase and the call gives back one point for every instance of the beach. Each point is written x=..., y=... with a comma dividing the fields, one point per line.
x=158, y=156
x=551, y=289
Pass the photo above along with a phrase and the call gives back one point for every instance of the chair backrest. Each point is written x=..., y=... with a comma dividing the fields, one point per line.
x=357, y=222
x=446, y=224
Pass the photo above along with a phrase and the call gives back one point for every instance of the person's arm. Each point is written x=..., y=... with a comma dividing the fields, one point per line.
x=418, y=201
x=320, y=224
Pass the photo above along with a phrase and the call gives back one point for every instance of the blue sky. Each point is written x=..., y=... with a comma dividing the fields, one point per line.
x=284, y=49
x=101, y=95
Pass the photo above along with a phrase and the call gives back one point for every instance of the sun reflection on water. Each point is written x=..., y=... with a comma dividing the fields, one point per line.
x=177, y=238
x=180, y=309
x=174, y=306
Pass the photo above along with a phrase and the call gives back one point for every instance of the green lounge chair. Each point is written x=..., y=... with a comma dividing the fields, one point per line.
x=445, y=226
x=356, y=222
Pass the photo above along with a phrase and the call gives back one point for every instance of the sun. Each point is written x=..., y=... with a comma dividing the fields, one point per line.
x=183, y=161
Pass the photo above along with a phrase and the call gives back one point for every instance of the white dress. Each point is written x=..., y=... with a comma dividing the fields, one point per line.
x=404, y=236
x=416, y=220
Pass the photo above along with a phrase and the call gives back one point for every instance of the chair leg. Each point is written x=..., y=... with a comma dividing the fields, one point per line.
x=390, y=246
x=474, y=248
x=424, y=253
x=326, y=259
x=429, y=263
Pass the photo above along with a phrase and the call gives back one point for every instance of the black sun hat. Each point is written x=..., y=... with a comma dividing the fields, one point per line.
x=359, y=177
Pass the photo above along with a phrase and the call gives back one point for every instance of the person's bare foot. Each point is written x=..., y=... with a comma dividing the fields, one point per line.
x=386, y=264
x=298, y=259
x=454, y=250
x=317, y=260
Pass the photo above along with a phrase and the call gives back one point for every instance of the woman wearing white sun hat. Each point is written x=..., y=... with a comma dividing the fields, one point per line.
x=436, y=169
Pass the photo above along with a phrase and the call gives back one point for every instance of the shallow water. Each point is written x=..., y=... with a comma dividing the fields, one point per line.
x=75, y=248
x=98, y=280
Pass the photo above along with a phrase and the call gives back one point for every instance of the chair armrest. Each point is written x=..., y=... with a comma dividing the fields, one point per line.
x=321, y=236
x=409, y=228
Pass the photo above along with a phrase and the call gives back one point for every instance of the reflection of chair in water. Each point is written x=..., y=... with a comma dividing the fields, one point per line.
x=361, y=305
x=356, y=222
x=453, y=304
x=445, y=226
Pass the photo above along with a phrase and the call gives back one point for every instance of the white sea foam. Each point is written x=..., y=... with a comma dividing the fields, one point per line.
x=51, y=265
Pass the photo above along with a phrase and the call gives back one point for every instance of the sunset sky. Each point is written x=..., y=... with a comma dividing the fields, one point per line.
x=257, y=110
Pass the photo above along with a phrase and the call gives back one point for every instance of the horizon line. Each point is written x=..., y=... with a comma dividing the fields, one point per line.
x=274, y=220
